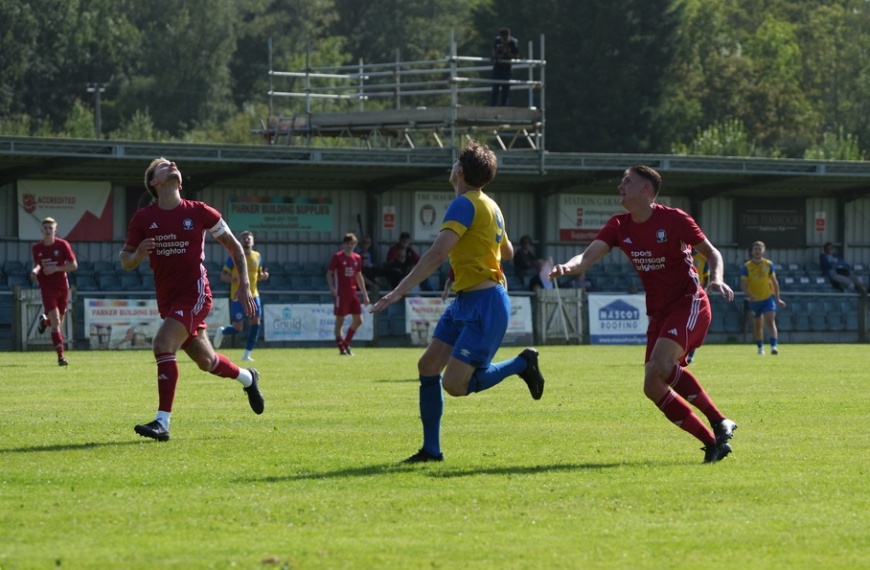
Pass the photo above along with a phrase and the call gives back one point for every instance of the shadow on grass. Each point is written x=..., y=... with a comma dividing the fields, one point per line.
x=67, y=447
x=437, y=472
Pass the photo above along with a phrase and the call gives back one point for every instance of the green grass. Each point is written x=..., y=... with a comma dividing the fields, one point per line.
x=591, y=476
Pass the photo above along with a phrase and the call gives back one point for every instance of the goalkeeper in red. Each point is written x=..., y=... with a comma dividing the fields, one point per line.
x=659, y=240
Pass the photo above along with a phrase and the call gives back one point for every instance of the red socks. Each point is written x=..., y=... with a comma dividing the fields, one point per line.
x=167, y=379
x=348, y=337
x=678, y=411
x=686, y=385
x=224, y=367
x=57, y=339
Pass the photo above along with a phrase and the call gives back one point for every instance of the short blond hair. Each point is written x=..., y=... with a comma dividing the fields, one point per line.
x=49, y=220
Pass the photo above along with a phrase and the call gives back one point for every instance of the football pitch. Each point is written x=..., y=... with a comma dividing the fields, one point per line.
x=590, y=476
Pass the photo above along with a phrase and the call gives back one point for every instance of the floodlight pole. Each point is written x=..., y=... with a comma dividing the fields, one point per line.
x=97, y=90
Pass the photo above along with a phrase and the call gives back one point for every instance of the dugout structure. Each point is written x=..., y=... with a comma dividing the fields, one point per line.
x=437, y=103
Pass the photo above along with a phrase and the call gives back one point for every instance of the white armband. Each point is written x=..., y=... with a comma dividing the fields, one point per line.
x=219, y=229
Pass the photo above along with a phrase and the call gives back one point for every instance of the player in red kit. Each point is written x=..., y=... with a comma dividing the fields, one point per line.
x=345, y=280
x=53, y=258
x=659, y=240
x=170, y=233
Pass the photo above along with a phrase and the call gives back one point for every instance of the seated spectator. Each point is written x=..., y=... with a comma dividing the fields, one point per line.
x=541, y=279
x=371, y=272
x=409, y=258
x=838, y=271
x=524, y=261
x=396, y=269
x=404, y=243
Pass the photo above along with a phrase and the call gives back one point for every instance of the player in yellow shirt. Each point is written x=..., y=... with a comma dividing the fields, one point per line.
x=230, y=275
x=759, y=284
x=471, y=329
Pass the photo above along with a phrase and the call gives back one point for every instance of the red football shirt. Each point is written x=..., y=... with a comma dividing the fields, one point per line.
x=661, y=251
x=345, y=269
x=179, y=251
x=58, y=253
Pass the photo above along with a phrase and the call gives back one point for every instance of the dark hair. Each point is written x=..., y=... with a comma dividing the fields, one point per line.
x=404, y=235
x=349, y=236
x=479, y=164
x=648, y=174
x=504, y=32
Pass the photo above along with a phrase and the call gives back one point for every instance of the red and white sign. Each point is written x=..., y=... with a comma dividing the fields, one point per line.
x=388, y=218
x=83, y=210
x=821, y=222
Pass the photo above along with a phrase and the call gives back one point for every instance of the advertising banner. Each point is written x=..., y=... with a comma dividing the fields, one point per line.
x=308, y=322
x=120, y=324
x=429, y=210
x=277, y=214
x=422, y=314
x=778, y=223
x=83, y=210
x=581, y=216
x=617, y=319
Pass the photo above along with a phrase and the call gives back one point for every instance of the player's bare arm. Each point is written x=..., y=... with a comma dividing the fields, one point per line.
x=507, y=249
x=582, y=262
x=714, y=258
x=243, y=294
x=131, y=257
x=429, y=262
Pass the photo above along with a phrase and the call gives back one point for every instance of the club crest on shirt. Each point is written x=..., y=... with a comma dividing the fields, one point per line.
x=661, y=236
x=187, y=224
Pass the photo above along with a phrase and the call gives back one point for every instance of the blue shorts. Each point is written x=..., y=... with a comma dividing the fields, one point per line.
x=758, y=308
x=474, y=325
x=237, y=311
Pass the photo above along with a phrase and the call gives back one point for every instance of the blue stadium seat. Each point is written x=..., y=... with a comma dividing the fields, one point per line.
x=13, y=267
x=109, y=282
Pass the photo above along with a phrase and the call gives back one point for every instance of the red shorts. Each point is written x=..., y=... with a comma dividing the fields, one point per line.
x=191, y=313
x=686, y=322
x=55, y=299
x=347, y=305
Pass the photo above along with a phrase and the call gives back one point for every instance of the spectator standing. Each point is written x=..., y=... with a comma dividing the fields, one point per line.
x=471, y=328
x=256, y=273
x=504, y=49
x=658, y=240
x=345, y=280
x=53, y=258
x=759, y=284
x=838, y=271
x=170, y=233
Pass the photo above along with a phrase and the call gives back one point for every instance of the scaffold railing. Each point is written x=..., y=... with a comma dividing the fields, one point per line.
x=409, y=104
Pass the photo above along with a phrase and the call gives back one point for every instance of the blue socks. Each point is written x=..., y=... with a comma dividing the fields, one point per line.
x=486, y=378
x=253, y=333
x=431, y=410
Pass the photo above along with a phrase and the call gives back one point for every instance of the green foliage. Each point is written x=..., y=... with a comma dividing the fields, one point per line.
x=837, y=146
x=140, y=127
x=80, y=122
x=592, y=476
x=725, y=139
x=622, y=76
